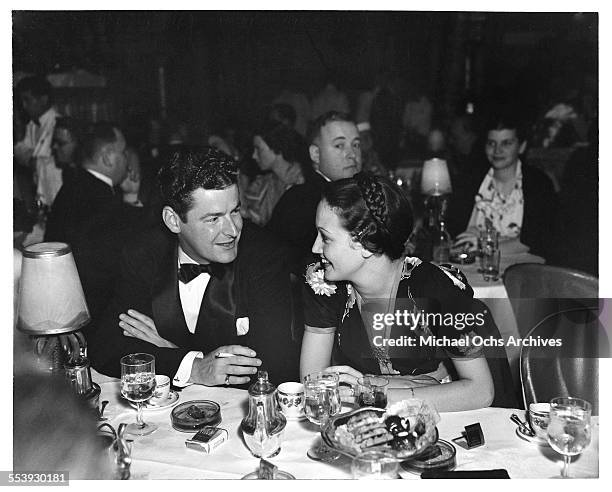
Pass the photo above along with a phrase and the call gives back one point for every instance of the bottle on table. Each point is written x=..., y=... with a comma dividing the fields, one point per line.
x=441, y=244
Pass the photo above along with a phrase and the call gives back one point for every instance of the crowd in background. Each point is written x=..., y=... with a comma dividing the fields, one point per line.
x=397, y=130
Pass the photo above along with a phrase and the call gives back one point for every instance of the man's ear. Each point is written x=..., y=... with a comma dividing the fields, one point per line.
x=522, y=147
x=105, y=152
x=171, y=219
x=313, y=150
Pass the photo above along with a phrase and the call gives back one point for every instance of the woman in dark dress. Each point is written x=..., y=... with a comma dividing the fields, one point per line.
x=370, y=309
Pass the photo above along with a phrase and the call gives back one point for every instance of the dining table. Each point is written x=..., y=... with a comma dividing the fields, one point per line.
x=495, y=296
x=164, y=455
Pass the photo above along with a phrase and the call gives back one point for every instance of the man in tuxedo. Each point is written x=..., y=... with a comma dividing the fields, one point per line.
x=209, y=298
x=335, y=152
x=89, y=215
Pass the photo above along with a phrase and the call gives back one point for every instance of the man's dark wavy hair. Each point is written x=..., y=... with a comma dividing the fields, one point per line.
x=191, y=168
x=375, y=211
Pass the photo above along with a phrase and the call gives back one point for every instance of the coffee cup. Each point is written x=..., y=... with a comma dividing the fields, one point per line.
x=291, y=400
x=538, y=418
x=162, y=390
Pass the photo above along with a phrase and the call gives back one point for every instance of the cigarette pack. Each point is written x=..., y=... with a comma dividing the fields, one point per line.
x=207, y=439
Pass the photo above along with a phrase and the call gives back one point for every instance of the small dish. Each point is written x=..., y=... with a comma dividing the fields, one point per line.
x=149, y=406
x=296, y=419
x=533, y=439
x=191, y=416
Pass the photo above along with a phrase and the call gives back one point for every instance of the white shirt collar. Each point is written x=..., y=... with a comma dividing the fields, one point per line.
x=101, y=177
x=184, y=257
x=48, y=116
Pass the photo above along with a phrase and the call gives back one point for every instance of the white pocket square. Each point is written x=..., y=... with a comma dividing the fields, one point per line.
x=242, y=326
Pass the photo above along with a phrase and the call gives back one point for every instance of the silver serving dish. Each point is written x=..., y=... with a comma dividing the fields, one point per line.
x=328, y=434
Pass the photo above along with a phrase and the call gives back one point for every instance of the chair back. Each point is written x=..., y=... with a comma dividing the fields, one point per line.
x=505, y=391
x=570, y=369
x=537, y=291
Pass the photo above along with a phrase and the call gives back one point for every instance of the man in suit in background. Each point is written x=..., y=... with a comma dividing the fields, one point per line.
x=209, y=298
x=335, y=152
x=89, y=214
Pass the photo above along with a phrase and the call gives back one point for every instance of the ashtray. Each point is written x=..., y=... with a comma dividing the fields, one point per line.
x=193, y=415
x=463, y=257
x=439, y=456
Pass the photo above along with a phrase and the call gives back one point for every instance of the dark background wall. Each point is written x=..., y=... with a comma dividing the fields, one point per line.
x=227, y=65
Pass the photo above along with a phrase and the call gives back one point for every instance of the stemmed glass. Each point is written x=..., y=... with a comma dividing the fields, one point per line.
x=322, y=401
x=137, y=385
x=569, y=428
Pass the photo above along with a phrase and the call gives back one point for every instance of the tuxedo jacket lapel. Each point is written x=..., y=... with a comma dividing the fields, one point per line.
x=167, y=309
x=217, y=319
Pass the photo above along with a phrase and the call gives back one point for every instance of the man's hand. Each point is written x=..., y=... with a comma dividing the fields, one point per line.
x=213, y=370
x=139, y=326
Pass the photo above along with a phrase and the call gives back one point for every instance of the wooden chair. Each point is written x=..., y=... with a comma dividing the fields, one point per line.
x=571, y=369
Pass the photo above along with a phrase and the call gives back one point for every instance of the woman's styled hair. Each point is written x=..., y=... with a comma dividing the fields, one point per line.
x=374, y=210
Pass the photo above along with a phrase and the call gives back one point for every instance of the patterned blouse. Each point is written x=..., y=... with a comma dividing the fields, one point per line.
x=504, y=213
x=424, y=289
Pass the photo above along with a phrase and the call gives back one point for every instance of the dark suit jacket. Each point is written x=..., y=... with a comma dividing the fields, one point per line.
x=539, y=213
x=256, y=285
x=89, y=215
x=293, y=220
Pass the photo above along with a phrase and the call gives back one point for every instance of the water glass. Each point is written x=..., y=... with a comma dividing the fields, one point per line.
x=569, y=428
x=321, y=401
x=488, y=244
x=372, y=391
x=137, y=386
x=374, y=465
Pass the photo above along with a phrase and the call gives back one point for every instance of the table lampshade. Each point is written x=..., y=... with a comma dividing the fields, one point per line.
x=51, y=299
x=435, y=179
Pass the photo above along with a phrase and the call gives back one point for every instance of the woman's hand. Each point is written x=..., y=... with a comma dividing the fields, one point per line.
x=348, y=376
x=137, y=325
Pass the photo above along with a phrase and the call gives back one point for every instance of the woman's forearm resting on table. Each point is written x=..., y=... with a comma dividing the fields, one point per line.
x=473, y=390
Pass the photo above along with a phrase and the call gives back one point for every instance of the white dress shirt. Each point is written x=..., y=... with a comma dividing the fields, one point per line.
x=191, y=295
x=37, y=144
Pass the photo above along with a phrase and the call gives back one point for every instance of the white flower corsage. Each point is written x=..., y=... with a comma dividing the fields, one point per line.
x=315, y=278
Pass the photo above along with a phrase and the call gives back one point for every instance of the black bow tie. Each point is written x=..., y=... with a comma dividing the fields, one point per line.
x=189, y=271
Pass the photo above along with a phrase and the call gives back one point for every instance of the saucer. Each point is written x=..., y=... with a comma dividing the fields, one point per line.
x=534, y=439
x=295, y=419
x=173, y=398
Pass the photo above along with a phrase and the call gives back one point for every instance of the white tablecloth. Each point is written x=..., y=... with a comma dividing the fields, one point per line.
x=495, y=296
x=163, y=454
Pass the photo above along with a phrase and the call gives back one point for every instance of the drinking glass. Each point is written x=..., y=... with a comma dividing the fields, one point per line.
x=372, y=391
x=321, y=401
x=137, y=385
x=376, y=465
x=569, y=428
x=488, y=245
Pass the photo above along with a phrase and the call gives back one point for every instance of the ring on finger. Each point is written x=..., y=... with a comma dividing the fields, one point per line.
x=227, y=382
